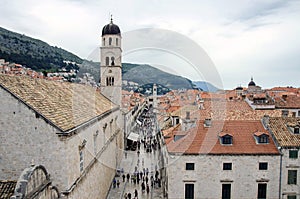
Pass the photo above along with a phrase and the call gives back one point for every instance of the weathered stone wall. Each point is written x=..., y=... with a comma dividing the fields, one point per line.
x=209, y=175
x=25, y=138
x=99, y=167
x=289, y=164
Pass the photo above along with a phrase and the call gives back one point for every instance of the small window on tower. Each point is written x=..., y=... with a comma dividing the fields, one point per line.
x=103, y=42
x=117, y=41
x=112, y=81
x=107, y=61
x=112, y=61
x=110, y=40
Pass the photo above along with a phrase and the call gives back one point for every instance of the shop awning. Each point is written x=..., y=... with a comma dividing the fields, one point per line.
x=133, y=136
x=139, y=122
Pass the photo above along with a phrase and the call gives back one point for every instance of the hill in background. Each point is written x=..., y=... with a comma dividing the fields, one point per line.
x=205, y=86
x=34, y=53
x=40, y=56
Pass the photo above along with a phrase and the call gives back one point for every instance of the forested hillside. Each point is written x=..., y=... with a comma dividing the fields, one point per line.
x=34, y=53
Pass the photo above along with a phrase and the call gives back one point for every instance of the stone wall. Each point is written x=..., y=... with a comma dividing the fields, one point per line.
x=289, y=164
x=209, y=175
x=25, y=137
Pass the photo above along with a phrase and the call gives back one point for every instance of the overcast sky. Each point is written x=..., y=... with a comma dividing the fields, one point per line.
x=242, y=38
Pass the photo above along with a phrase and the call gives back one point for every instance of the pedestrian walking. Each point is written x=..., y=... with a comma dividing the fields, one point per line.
x=114, y=183
x=128, y=176
x=143, y=187
x=123, y=176
x=148, y=190
x=125, y=196
x=129, y=195
x=136, y=194
x=118, y=183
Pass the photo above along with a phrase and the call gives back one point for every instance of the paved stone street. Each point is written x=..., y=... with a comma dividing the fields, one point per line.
x=133, y=162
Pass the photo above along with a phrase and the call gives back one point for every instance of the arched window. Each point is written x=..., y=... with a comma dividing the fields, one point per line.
x=117, y=41
x=110, y=81
x=103, y=42
x=112, y=61
x=107, y=81
x=110, y=40
x=107, y=61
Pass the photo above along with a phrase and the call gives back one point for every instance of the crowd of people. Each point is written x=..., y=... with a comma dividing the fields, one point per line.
x=142, y=178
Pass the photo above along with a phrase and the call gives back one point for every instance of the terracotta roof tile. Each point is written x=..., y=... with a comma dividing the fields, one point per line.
x=7, y=188
x=259, y=133
x=202, y=140
x=66, y=105
x=284, y=137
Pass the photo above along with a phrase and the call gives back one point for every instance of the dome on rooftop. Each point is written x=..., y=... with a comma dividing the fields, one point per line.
x=111, y=29
x=251, y=83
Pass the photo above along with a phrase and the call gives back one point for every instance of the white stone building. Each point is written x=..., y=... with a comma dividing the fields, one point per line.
x=72, y=129
x=287, y=137
x=231, y=159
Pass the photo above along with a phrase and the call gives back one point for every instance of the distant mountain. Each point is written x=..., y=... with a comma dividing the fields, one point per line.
x=145, y=74
x=141, y=74
x=34, y=53
x=205, y=86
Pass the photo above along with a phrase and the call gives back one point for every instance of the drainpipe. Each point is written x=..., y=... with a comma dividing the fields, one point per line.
x=280, y=173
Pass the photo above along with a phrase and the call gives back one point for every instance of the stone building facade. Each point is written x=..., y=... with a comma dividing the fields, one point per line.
x=71, y=129
x=285, y=131
x=226, y=159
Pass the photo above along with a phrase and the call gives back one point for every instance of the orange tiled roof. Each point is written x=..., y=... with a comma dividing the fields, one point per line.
x=65, y=105
x=259, y=133
x=201, y=140
x=290, y=102
x=284, y=137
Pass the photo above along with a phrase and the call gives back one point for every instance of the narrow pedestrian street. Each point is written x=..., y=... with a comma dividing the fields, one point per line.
x=139, y=172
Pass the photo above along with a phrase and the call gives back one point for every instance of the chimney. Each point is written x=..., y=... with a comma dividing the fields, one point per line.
x=187, y=115
x=207, y=122
x=284, y=97
x=265, y=121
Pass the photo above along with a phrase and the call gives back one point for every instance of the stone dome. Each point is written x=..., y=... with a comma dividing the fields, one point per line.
x=111, y=29
x=251, y=83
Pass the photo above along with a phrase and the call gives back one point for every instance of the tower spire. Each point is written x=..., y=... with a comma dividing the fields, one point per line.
x=111, y=19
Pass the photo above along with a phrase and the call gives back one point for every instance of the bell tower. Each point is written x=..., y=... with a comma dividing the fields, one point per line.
x=111, y=63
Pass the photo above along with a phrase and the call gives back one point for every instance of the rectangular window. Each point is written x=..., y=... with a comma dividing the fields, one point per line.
x=262, y=191
x=263, y=139
x=296, y=130
x=291, y=197
x=285, y=113
x=292, y=176
x=293, y=154
x=227, y=166
x=189, y=191
x=227, y=140
x=263, y=166
x=226, y=191
x=81, y=160
x=190, y=166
